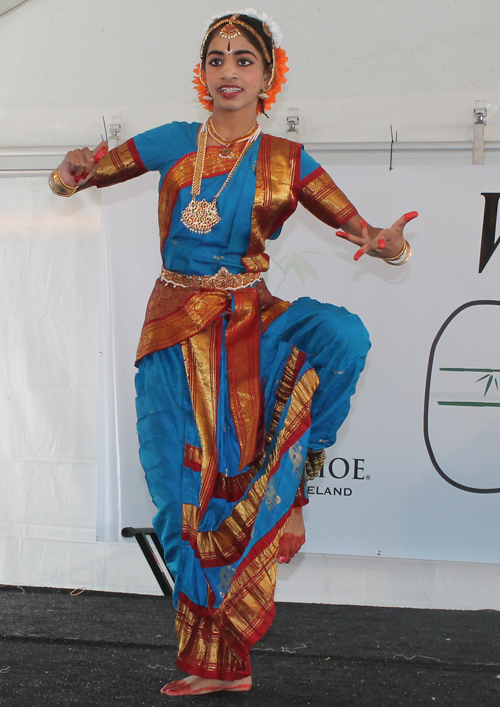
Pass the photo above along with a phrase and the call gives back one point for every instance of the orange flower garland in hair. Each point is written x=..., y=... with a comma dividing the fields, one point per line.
x=281, y=59
x=202, y=90
x=280, y=69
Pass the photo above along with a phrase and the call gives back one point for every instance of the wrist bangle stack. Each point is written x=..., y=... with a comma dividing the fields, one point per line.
x=402, y=257
x=58, y=186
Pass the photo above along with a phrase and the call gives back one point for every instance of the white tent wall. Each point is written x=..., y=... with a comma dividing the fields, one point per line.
x=356, y=67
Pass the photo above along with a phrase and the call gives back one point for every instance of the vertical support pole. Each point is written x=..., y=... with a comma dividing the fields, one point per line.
x=480, y=112
x=478, y=146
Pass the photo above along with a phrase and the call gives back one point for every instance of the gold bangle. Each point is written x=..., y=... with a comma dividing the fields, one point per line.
x=405, y=254
x=400, y=254
x=60, y=187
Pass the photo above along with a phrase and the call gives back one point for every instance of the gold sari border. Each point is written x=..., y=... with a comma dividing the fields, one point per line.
x=277, y=171
x=202, y=648
x=202, y=361
x=199, y=311
x=248, y=609
x=273, y=312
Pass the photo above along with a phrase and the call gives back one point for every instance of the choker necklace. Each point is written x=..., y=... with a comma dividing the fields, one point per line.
x=226, y=151
x=202, y=216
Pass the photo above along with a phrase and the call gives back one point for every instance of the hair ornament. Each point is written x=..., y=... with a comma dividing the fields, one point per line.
x=200, y=85
x=267, y=21
x=278, y=79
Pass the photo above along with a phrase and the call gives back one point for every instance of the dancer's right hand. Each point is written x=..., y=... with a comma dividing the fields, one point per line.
x=80, y=165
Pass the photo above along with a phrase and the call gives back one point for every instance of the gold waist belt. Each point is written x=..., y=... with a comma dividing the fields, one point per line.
x=223, y=280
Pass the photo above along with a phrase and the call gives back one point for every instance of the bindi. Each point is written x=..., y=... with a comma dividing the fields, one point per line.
x=229, y=50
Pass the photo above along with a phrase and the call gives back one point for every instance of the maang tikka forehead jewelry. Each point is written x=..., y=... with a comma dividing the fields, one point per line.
x=229, y=30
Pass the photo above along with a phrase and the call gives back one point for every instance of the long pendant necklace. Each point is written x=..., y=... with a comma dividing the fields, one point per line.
x=226, y=151
x=202, y=216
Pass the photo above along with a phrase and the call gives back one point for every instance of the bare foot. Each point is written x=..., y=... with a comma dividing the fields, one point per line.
x=293, y=538
x=194, y=685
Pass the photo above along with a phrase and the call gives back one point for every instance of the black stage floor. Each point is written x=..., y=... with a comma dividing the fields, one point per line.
x=119, y=649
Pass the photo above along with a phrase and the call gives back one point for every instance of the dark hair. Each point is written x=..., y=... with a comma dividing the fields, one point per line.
x=254, y=24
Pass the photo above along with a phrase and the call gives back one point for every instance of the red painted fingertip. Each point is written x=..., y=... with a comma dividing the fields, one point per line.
x=77, y=179
x=100, y=154
x=358, y=255
x=381, y=243
x=411, y=215
x=363, y=223
x=85, y=175
x=342, y=234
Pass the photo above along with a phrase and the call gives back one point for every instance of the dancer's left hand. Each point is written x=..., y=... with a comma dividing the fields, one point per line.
x=377, y=242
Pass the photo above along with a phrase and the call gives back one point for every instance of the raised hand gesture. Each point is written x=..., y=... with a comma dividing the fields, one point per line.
x=80, y=165
x=377, y=242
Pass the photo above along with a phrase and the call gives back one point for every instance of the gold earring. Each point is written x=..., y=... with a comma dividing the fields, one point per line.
x=208, y=97
x=262, y=94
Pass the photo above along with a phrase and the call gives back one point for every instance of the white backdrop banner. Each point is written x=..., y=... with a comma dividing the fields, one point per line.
x=415, y=472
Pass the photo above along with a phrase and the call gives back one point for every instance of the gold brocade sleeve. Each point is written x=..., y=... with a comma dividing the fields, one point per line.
x=322, y=197
x=118, y=165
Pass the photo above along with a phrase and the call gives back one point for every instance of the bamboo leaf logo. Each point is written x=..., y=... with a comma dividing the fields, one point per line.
x=490, y=380
x=489, y=377
x=298, y=264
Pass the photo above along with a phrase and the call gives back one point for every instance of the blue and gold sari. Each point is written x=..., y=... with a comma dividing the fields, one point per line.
x=233, y=385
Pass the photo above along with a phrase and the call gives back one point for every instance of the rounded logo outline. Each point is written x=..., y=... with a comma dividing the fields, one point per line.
x=470, y=489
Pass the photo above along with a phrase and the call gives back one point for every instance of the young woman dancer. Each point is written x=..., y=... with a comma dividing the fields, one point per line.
x=238, y=392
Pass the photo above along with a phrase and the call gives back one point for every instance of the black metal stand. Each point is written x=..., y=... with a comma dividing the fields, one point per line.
x=153, y=553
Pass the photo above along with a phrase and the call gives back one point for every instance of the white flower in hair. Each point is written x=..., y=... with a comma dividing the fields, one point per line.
x=251, y=12
x=272, y=24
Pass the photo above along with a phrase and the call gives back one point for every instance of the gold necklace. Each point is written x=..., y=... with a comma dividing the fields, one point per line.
x=202, y=216
x=227, y=144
